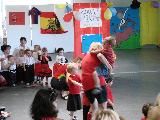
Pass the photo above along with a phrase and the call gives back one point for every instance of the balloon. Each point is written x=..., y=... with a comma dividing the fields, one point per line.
x=113, y=11
x=109, y=4
x=68, y=9
x=77, y=15
x=60, y=6
x=68, y=17
x=107, y=14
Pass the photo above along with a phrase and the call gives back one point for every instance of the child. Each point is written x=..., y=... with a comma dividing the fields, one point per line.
x=74, y=83
x=20, y=70
x=60, y=56
x=45, y=70
x=145, y=110
x=105, y=70
x=37, y=52
x=12, y=70
x=29, y=68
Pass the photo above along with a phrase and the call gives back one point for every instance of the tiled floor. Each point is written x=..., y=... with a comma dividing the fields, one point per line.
x=136, y=81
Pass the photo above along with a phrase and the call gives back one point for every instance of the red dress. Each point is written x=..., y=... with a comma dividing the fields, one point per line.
x=45, y=71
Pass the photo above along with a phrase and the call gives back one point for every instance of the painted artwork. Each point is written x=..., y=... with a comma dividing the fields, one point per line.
x=50, y=24
x=88, y=39
x=125, y=26
x=16, y=18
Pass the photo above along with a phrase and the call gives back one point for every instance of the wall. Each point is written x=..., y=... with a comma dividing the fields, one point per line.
x=51, y=41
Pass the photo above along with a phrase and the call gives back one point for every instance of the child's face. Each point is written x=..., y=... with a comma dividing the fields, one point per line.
x=61, y=53
x=23, y=42
x=21, y=53
x=29, y=53
x=11, y=59
x=7, y=51
x=36, y=48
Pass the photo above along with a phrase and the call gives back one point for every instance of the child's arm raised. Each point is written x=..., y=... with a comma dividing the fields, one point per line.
x=74, y=82
x=104, y=61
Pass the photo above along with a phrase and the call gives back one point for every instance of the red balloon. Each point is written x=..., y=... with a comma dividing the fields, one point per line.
x=68, y=17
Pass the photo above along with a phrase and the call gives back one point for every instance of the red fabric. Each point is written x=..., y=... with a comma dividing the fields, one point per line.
x=89, y=63
x=143, y=118
x=109, y=55
x=109, y=93
x=59, y=69
x=89, y=116
x=74, y=89
x=45, y=71
x=3, y=81
x=16, y=18
x=49, y=118
x=37, y=69
x=78, y=32
x=85, y=100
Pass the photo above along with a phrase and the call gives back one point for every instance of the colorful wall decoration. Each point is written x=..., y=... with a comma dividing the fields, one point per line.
x=150, y=24
x=86, y=14
x=125, y=26
x=16, y=18
x=50, y=24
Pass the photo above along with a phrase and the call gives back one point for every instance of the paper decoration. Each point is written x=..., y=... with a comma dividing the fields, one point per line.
x=68, y=9
x=91, y=17
x=88, y=39
x=34, y=12
x=107, y=14
x=125, y=26
x=113, y=11
x=77, y=15
x=68, y=17
x=50, y=24
x=16, y=18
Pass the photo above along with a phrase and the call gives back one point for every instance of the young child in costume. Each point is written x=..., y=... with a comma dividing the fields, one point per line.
x=12, y=70
x=105, y=70
x=74, y=83
x=37, y=52
x=20, y=70
x=29, y=68
x=60, y=56
x=45, y=70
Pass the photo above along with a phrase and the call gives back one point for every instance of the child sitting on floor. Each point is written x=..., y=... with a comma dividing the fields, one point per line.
x=74, y=83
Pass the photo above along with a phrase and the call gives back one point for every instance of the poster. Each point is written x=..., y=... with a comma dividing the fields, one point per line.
x=90, y=17
x=16, y=18
x=88, y=39
x=50, y=24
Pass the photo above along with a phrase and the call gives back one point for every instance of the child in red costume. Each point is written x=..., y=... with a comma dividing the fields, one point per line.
x=74, y=83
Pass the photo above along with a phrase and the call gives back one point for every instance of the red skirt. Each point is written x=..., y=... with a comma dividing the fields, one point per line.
x=37, y=69
x=45, y=71
x=58, y=70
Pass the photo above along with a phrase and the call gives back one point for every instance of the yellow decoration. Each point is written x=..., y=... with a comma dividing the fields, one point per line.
x=60, y=6
x=110, y=4
x=107, y=14
x=150, y=24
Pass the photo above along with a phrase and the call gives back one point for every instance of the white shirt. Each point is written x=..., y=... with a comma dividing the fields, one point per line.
x=60, y=59
x=13, y=67
x=20, y=60
x=35, y=56
x=16, y=50
x=29, y=60
x=4, y=62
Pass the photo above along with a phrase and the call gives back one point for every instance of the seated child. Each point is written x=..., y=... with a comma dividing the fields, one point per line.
x=12, y=70
x=74, y=83
x=60, y=56
x=20, y=68
x=145, y=110
x=105, y=69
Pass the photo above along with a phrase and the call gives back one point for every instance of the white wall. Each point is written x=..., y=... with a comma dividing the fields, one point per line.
x=51, y=41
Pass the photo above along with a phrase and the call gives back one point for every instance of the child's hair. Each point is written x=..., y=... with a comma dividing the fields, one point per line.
x=106, y=114
x=5, y=47
x=71, y=67
x=27, y=50
x=121, y=118
x=145, y=108
x=23, y=38
x=21, y=50
x=154, y=113
x=44, y=49
x=157, y=103
x=59, y=49
x=109, y=41
x=77, y=60
x=9, y=56
x=42, y=105
x=95, y=46
x=39, y=48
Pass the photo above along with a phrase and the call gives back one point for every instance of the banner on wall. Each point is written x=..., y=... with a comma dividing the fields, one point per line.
x=90, y=17
x=125, y=26
x=16, y=18
x=50, y=24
